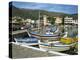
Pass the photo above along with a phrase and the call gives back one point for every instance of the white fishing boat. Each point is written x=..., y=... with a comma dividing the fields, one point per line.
x=56, y=46
x=27, y=41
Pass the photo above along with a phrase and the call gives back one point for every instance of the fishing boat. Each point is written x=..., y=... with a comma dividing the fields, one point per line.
x=31, y=41
x=56, y=46
x=50, y=40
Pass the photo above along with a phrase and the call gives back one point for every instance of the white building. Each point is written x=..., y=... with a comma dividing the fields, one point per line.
x=45, y=20
x=70, y=20
x=58, y=20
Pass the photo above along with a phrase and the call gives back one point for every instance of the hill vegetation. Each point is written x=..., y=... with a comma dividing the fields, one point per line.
x=33, y=14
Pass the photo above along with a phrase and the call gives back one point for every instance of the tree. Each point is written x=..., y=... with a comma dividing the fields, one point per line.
x=19, y=20
x=51, y=20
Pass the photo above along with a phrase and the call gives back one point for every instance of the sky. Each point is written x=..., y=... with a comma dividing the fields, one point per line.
x=69, y=9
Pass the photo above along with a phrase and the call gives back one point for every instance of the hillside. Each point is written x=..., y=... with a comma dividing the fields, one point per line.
x=33, y=14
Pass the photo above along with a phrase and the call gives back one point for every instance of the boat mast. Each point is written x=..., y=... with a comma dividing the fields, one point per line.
x=39, y=20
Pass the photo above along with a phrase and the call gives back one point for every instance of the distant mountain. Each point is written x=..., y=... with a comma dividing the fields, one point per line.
x=33, y=14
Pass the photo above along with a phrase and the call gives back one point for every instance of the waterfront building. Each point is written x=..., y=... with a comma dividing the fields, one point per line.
x=58, y=20
x=45, y=20
x=70, y=20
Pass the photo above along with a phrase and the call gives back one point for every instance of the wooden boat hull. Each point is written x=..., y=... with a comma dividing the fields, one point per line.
x=54, y=48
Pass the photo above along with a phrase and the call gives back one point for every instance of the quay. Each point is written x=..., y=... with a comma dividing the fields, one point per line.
x=24, y=51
